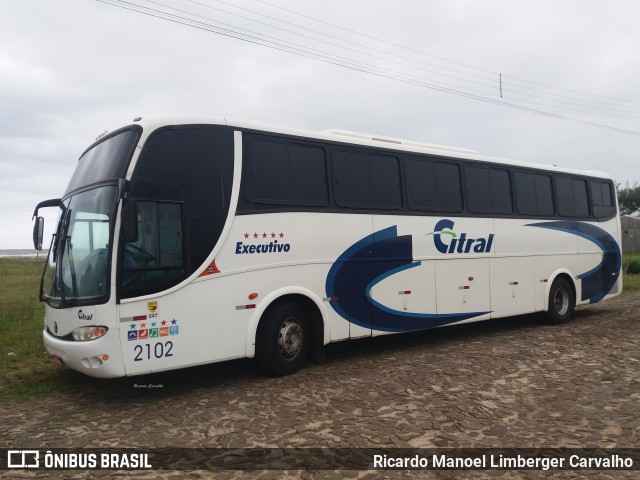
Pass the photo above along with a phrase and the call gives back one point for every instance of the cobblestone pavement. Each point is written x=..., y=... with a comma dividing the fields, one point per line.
x=503, y=383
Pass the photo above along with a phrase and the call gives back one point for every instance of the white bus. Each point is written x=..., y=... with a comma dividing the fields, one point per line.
x=186, y=240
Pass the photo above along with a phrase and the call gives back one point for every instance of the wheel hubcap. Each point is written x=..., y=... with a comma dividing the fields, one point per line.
x=290, y=339
x=561, y=301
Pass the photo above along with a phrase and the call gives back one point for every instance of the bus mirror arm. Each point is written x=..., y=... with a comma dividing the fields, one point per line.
x=130, y=220
x=54, y=202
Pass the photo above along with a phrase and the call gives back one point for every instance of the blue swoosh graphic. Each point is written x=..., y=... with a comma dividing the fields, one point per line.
x=366, y=263
x=597, y=282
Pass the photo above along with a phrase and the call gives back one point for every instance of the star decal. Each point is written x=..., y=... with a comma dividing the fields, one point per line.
x=143, y=325
x=164, y=322
x=264, y=234
x=174, y=321
x=132, y=326
x=153, y=324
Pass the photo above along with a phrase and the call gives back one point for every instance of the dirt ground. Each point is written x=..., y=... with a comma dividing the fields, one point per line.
x=504, y=383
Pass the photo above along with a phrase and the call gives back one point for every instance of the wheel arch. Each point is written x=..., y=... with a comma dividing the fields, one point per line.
x=561, y=273
x=312, y=304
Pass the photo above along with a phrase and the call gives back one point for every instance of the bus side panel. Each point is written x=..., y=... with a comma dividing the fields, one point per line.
x=463, y=272
x=196, y=324
x=447, y=284
x=551, y=251
x=462, y=286
x=329, y=241
x=513, y=289
x=209, y=320
x=593, y=264
x=600, y=243
x=406, y=285
x=513, y=286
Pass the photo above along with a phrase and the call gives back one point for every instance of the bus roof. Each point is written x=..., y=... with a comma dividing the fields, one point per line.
x=357, y=138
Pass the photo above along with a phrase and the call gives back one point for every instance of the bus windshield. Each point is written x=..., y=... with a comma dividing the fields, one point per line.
x=78, y=260
x=78, y=265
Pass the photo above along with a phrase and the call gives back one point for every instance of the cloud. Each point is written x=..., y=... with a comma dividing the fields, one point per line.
x=69, y=70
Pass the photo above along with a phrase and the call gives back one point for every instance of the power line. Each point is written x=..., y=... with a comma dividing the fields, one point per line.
x=376, y=38
x=300, y=50
x=604, y=110
x=484, y=77
x=444, y=59
x=596, y=105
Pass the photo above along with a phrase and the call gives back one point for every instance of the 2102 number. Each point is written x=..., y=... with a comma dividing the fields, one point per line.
x=157, y=350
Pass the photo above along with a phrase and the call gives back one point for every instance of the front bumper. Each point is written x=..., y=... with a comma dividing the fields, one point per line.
x=100, y=358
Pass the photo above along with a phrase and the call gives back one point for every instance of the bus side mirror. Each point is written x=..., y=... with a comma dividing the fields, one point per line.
x=130, y=220
x=38, y=233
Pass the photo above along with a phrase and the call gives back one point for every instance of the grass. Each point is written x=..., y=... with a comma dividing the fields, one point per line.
x=631, y=282
x=25, y=366
x=627, y=258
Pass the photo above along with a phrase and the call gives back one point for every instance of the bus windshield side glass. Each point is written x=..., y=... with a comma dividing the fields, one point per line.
x=181, y=187
x=107, y=160
x=78, y=261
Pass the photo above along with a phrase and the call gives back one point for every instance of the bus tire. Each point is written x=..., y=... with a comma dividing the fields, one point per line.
x=562, y=301
x=284, y=337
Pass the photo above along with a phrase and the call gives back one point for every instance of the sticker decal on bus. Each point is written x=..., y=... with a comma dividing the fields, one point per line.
x=458, y=243
x=210, y=270
x=147, y=351
x=135, y=318
x=597, y=282
x=351, y=278
x=141, y=331
x=243, y=248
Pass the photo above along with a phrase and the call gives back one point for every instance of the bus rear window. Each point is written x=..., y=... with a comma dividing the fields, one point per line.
x=602, y=199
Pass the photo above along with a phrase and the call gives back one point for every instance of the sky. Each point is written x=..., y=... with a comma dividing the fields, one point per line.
x=424, y=70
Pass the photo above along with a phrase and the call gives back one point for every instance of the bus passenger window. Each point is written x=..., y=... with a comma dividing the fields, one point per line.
x=572, y=197
x=534, y=195
x=282, y=173
x=366, y=180
x=433, y=186
x=488, y=190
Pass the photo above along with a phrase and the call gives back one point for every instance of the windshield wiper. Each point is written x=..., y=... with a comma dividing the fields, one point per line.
x=64, y=225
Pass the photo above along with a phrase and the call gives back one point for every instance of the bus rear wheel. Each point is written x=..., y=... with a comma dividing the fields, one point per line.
x=561, y=301
x=283, y=339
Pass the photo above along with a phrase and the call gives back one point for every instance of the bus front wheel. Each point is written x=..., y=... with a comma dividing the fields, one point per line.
x=282, y=346
x=561, y=301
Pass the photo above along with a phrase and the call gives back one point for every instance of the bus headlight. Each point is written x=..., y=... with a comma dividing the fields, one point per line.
x=84, y=334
